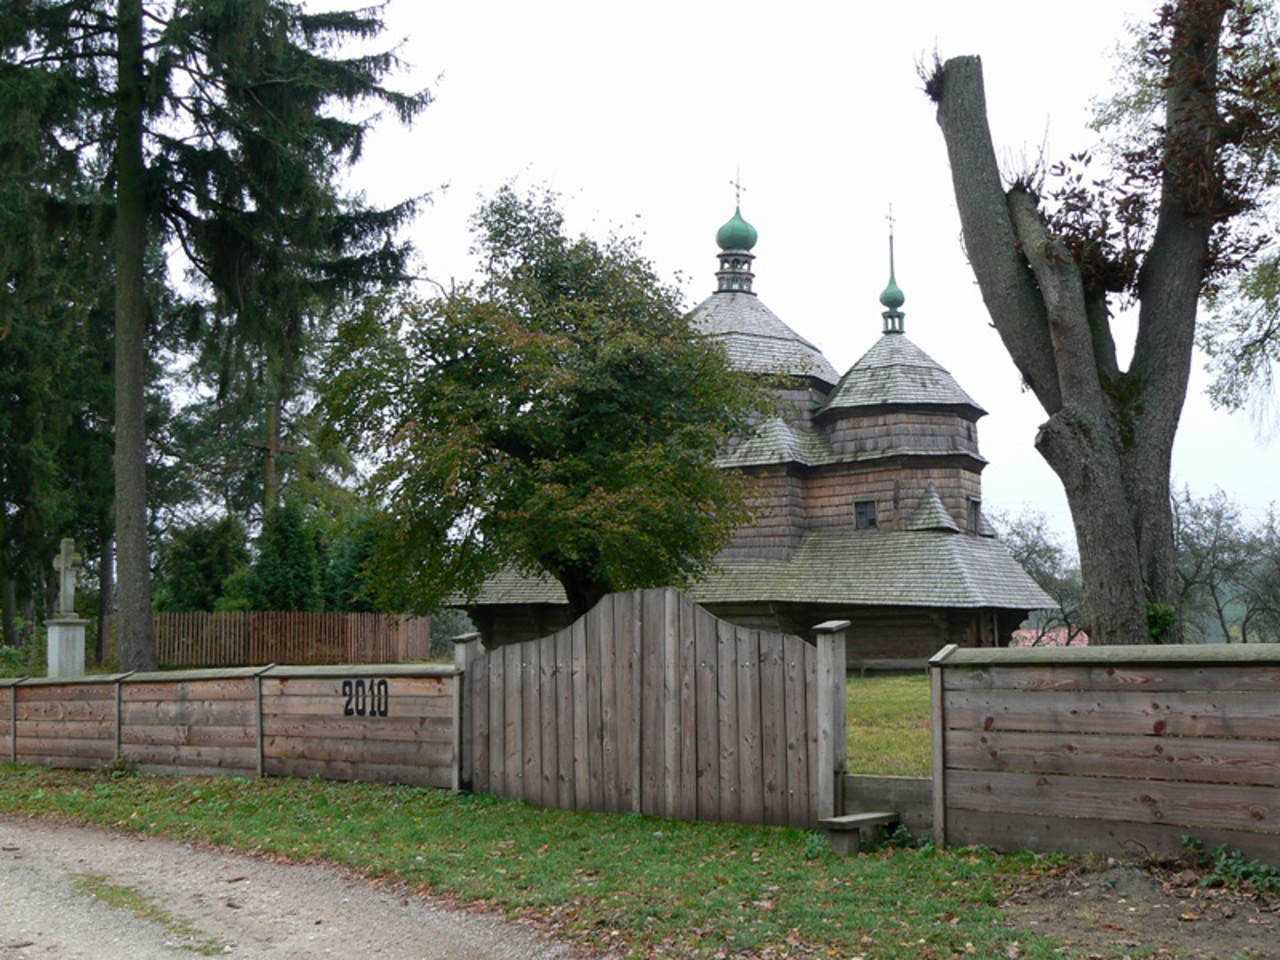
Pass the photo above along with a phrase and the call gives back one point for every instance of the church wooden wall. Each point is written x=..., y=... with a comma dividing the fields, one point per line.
x=899, y=431
x=789, y=505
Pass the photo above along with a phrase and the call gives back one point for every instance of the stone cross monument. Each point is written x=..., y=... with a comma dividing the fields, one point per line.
x=67, y=562
x=66, y=630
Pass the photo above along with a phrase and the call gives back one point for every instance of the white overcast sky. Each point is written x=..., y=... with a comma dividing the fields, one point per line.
x=640, y=114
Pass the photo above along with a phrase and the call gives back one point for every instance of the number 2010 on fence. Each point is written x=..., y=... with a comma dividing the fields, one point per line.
x=366, y=698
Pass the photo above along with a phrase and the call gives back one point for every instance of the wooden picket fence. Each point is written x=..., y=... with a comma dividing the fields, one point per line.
x=652, y=705
x=252, y=638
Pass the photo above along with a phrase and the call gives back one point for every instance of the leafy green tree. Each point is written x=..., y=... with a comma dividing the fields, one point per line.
x=196, y=561
x=226, y=132
x=559, y=416
x=287, y=571
x=350, y=548
x=1052, y=268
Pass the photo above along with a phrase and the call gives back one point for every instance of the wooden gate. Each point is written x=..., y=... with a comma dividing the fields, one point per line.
x=650, y=704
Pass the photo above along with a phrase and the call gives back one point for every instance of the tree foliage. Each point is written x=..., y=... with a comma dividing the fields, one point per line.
x=196, y=561
x=1241, y=331
x=287, y=573
x=1054, y=267
x=218, y=127
x=559, y=416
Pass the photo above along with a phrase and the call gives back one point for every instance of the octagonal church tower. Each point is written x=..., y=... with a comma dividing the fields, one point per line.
x=867, y=488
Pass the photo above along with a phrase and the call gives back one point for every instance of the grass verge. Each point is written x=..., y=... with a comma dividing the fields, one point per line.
x=631, y=885
x=889, y=725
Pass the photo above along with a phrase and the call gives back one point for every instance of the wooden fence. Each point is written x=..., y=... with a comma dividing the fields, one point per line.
x=650, y=704
x=384, y=723
x=1113, y=749
x=248, y=638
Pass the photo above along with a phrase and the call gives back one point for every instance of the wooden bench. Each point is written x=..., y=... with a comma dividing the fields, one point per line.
x=849, y=832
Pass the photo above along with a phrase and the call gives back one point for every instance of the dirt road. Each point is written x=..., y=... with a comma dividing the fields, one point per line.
x=67, y=892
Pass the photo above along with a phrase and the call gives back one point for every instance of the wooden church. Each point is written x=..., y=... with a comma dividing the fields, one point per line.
x=867, y=491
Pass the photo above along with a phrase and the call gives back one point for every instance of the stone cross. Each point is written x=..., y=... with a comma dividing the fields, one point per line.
x=67, y=562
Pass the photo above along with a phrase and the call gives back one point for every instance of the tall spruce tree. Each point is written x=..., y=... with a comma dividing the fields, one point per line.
x=224, y=134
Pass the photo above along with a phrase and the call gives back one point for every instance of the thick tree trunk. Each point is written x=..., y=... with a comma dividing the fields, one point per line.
x=106, y=595
x=1109, y=435
x=137, y=643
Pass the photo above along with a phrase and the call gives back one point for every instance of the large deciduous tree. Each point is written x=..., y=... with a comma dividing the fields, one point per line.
x=558, y=417
x=1050, y=276
x=224, y=124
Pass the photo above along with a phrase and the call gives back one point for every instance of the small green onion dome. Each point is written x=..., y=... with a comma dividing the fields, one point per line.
x=737, y=234
x=892, y=298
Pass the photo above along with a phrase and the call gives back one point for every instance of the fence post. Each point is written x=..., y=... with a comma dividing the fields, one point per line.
x=466, y=648
x=120, y=711
x=257, y=718
x=833, y=722
x=938, y=732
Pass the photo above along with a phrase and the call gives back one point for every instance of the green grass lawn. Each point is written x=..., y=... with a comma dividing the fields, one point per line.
x=889, y=725
x=630, y=885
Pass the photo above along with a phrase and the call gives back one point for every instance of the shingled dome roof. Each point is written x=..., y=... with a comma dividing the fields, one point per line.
x=756, y=340
x=897, y=372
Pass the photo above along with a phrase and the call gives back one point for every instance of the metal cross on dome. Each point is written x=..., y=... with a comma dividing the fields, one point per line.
x=736, y=183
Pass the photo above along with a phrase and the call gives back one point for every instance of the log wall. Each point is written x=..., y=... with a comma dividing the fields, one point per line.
x=386, y=723
x=1112, y=749
x=649, y=704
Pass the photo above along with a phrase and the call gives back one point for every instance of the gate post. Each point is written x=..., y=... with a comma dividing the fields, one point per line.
x=833, y=722
x=466, y=648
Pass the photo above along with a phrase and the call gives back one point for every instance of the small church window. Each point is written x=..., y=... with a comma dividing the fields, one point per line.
x=864, y=513
x=975, y=516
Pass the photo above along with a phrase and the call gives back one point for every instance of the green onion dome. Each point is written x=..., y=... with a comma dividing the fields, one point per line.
x=737, y=234
x=892, y=298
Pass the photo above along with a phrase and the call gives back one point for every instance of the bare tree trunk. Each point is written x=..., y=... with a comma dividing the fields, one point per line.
x=137, y=643
x=1109, y=435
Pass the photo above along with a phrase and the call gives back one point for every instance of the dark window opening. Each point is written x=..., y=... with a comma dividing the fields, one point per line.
x=864, y=513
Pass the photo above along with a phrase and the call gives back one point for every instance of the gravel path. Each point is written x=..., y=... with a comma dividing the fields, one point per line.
x=69, y=892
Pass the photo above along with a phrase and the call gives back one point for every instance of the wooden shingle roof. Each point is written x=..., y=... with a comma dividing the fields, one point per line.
x=896, y=372
x=863, y=567
x=757, y=341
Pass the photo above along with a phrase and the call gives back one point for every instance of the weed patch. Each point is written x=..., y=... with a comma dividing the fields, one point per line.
x=123, y=897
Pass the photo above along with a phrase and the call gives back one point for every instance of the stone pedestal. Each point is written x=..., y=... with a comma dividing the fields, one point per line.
x=66, y=646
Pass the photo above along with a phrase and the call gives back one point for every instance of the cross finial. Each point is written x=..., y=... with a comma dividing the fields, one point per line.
x=892, y=221
x=736, y=183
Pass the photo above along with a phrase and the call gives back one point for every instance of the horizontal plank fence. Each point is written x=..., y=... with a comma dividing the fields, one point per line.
x=247, y=638
x=1112, y=749
x=392, y=723
x=650, y=704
